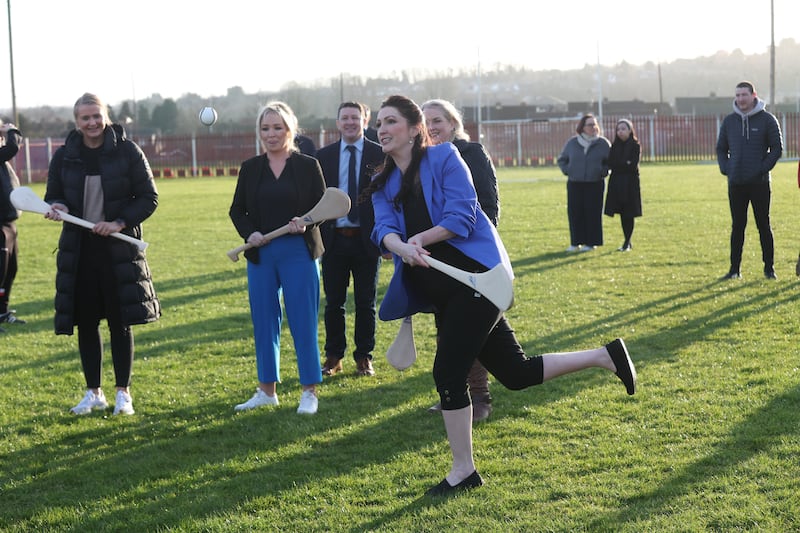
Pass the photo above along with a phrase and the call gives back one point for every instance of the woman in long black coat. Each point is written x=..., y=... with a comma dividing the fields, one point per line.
x=103, y=177
x=624, y=193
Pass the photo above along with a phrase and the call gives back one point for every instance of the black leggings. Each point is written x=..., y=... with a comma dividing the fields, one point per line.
x=469, y=329
x=627, y=228
x=96, y=297
x=90, y=344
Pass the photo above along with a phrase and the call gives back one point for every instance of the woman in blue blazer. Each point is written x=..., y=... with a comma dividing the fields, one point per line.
x=425, y=204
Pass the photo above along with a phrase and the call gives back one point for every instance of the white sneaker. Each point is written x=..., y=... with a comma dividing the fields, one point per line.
x=259, y=399
x=90, y=401
x=574, y=248
x=123, y=405
x=308, y=403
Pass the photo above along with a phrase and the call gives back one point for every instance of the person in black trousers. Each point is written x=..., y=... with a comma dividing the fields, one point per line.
x=102, y=176
x=348, y=248
x=425, y=205
x=445, y=124
x=9, y=248
x=584, y=160
x=748, y=147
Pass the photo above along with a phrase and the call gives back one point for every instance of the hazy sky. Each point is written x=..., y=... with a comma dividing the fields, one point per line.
x=119, y=50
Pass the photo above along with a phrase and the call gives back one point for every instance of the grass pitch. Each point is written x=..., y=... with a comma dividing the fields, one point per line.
x=710, y=441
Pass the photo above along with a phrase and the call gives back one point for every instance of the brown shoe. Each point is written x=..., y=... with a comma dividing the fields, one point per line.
x=365, y=367
x=481, y=408
x=331, y=366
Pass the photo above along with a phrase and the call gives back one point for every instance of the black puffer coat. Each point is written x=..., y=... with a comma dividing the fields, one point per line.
x=130, y=195
x=749, y=145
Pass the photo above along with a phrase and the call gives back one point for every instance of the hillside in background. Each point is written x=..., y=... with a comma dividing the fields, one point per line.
x=316, y=104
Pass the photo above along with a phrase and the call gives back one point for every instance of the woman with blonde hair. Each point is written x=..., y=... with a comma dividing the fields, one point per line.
x=102, y=176
x=273, y=189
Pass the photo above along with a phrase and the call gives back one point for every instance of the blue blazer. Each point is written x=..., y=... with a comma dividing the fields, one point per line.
x=372, y=156
x=453, y=204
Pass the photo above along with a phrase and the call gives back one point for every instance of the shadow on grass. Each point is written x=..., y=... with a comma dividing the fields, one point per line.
x=203, y=460
x=203, y=451
x=764, y=430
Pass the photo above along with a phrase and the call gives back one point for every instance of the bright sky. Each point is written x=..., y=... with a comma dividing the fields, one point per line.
x=120, y=51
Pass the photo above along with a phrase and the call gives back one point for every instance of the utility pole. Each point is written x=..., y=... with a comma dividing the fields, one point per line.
x=11, y=62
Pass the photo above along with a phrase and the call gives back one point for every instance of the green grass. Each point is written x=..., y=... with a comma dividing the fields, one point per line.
x=710, y=442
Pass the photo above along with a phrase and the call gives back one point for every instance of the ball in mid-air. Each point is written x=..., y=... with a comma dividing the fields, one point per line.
x=208, y=116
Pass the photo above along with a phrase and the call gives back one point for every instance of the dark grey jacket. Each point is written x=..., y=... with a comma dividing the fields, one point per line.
x=585, y=167
x=749, y=145
x=129, y=194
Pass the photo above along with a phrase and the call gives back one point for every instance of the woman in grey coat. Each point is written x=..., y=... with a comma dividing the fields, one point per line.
x=584, y=160
x=102, y=177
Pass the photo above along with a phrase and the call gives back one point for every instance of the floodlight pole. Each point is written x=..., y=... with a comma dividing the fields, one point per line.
x=599, y=88
x=480, y=103
x=11, y=62
x=772, y=56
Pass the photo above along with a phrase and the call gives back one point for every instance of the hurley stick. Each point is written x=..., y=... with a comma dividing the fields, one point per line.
x=25, y=199
x=333, y=204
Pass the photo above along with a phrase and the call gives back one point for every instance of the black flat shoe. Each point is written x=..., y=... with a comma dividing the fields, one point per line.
x=445, y=489
x=622, y=361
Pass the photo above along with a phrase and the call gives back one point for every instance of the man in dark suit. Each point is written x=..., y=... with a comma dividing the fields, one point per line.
x=369, y=132
x=348, y=248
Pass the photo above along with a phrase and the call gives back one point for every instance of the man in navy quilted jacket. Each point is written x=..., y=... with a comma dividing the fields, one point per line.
x=748, y=147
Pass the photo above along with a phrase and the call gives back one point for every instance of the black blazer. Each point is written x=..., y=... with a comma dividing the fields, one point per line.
x=244, y=211
x=371, y=158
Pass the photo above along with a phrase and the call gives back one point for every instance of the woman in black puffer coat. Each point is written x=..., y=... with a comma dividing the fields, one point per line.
x=102, y=177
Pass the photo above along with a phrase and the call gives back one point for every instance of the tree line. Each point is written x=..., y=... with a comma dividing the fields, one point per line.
x=316, y=104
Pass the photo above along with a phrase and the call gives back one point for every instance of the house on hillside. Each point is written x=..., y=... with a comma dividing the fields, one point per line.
x=703, y=106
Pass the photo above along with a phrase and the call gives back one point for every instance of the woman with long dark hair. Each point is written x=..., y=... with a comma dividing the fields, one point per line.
x=624, y=194
x=425, y=204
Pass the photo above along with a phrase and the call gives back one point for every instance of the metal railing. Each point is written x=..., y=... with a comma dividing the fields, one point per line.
x=516, y=143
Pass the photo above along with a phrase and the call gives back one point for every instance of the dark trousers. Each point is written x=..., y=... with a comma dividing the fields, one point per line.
x=96, y=297
x=8, y=262
x=759, y=195
x=585, y=212
x=348, y=256
x=468, y=329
